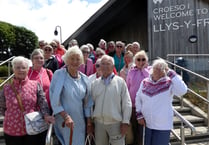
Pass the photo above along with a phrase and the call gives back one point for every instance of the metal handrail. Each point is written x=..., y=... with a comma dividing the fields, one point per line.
x=183, y=121
x=198, y=75
x=175, y=55
x=9, y=73
x=5, y=81
x=7, y=60
x=195, y=74
x=49, y=140
x=198, y=95
x=9, y=65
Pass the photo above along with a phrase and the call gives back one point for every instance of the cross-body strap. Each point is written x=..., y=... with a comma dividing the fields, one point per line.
x=18, y=98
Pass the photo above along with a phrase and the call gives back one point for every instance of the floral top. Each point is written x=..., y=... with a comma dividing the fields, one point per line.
x=32, y=97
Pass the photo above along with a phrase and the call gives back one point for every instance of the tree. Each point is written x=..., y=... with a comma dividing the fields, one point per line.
x=26, y=42
x=7, y=39
x=15, y=40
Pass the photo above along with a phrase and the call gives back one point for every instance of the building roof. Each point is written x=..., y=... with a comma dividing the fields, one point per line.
x=112, y=13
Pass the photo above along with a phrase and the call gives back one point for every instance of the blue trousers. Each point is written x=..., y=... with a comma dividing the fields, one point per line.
x=156, y=137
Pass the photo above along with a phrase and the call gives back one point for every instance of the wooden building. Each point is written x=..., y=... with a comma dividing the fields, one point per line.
x=161, y=26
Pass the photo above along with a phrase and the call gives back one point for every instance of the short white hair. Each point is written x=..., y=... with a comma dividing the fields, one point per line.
x=136, y=43
x=20, y=59
x=72, y=50
x=160, y=64
x=37, y=52
x=108, y=58
x=84, y=47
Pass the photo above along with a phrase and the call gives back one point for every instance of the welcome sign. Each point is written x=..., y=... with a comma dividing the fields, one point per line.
x=172, y=22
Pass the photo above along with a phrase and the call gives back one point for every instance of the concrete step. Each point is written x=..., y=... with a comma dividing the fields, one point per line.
x=197, y=139
x=183, y=110
x=201, y=130
x=2, y=142
x=194, y=120
x=176, y=102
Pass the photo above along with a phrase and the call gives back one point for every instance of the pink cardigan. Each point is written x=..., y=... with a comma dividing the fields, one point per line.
x=90, y=67
x=133, y=80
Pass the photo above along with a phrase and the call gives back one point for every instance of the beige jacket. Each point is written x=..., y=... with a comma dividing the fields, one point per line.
x=112, y=101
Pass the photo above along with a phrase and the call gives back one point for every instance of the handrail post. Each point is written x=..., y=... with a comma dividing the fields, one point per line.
x=182, y=134
x=208, y=104
x=181, y=98
x=9, y=68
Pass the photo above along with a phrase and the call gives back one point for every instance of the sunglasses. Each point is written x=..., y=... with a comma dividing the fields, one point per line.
x=49, y=50
x=99, y=54
x=87, y=52
x=97, y=65
x=139, y=59
x=119, y=46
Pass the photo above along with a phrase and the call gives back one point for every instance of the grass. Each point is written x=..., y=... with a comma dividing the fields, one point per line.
x=201, y=89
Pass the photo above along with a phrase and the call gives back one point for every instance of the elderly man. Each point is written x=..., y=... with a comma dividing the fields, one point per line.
x=112, y=109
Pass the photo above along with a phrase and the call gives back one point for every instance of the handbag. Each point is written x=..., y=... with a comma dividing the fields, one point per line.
x=90, y=140
x=34, y=121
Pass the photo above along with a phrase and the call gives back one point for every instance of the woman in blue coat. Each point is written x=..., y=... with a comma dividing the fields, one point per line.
x=70, y=99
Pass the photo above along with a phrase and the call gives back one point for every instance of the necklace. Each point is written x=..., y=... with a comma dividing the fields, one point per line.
x=73, y=76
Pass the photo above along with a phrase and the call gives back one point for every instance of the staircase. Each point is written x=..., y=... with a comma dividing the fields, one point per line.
x=2, y=142
x=197, y=118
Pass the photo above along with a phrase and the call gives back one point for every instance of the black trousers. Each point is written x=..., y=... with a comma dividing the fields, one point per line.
x=38, y=139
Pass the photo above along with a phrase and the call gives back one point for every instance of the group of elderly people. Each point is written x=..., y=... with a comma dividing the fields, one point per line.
x=103, y=104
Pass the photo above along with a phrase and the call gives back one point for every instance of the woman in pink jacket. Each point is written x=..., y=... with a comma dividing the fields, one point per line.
x=32, y=99
x=133, y=80
x=39, y=73
x=87, y=68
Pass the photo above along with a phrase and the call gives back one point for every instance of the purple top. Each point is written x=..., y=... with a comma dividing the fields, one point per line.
x=133, y=80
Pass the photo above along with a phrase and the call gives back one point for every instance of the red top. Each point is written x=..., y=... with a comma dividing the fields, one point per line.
x=44, y=78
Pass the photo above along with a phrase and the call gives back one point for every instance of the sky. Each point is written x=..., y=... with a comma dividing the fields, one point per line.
x=42, y=16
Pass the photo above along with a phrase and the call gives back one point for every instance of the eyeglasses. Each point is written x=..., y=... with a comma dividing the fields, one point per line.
x=49, y=50
x=97, y=65
x=54, y=46
x=119, y=46
x=87, y=52
x=139, y=59
x=100, y=54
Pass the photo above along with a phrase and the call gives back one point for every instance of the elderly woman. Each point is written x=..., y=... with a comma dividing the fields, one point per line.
x=118, y=56
x=70, y=99
x=50, y=60
x=135, y=47
x=133, y=80
x=39, y=73
x=87, y=67
x=32, y=97
x=154, y=102
x=98, y=72
x=128, y=59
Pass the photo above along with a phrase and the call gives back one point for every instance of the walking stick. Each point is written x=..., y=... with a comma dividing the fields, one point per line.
x=71, y=133
x=71, y=136
x=143, y=135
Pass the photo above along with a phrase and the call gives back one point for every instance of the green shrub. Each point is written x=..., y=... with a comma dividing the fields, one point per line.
x=3, y=71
